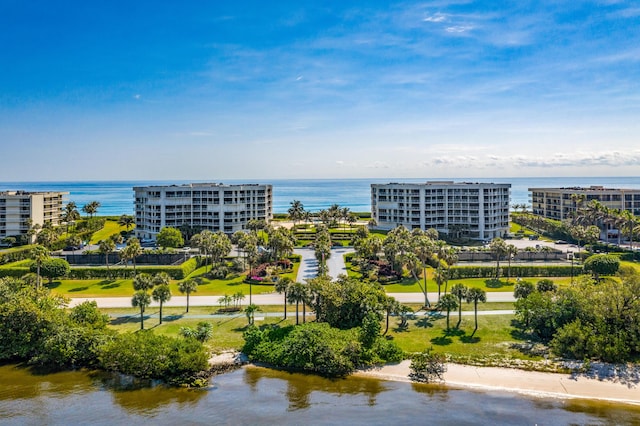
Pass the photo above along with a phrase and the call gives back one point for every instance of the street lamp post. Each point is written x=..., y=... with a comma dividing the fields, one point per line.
x=570, y=257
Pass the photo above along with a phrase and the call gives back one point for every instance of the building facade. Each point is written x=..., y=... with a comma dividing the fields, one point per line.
x=216, y=207
x=478, y=211
x=20, y=210
x=562, y=203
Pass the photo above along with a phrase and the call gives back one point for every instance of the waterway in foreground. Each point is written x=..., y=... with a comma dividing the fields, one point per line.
x=259, y=396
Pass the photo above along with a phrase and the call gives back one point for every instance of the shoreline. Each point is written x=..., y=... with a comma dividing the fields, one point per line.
x=532, y=383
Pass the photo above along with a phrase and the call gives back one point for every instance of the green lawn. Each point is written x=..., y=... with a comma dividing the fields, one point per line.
x=123, y=288
x=110, y=227
x=494, y=339
x=227, y=332
x=409, y=285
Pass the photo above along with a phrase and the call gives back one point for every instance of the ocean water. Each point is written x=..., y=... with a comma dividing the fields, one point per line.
x=116, y=197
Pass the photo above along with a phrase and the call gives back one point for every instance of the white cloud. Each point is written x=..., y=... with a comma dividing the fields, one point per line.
x=459, y=29
x=557, y=160
x=438, y=17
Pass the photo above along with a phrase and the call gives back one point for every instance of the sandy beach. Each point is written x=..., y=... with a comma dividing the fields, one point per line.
x=624, y=388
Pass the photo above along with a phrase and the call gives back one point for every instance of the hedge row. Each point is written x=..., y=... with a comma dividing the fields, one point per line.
x=15, y=254
x=175, y=272
x=461, y=272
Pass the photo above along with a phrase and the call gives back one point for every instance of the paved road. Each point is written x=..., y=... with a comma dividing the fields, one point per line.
x=265, y=299
x=292, y=314
x=309, y=264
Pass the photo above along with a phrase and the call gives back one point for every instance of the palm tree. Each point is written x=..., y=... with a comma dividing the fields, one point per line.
x=106, y=247
x=476, y=295
x=499, y=248
x=440, y=276
x=250, y=312
x=460, y=291
x=296, y=211
x=70, y=214
x=161, y=278
x=282, y=287
x=39, y=255
x=391, y=306
x=141, y=300
x=450, y=257
x=628, y=222
x=448, y=303
x=143, y=282
x=91, y=208
x=187, y=287
x=297, y=294
x=127, y=221
x=239, y=297
x=132, y=250
x=161, y=293
x=511, y=253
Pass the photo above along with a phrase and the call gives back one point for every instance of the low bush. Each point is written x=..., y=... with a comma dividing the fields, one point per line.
x=149, y=356
x=317, y=348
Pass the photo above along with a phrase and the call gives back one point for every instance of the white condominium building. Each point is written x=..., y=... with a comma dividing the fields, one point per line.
x=479, y=211
x=19, y=210
x=561, y=203
x=216, y=207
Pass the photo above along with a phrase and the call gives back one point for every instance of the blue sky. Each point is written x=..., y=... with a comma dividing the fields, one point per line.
x=307, y=89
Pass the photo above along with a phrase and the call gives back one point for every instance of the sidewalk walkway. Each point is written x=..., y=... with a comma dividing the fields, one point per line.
x=263, y=299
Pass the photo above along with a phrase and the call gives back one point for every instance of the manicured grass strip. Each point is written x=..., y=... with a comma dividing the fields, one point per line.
x=110, y=227
x=408, y=285
x=494, y=338
x=124, y=288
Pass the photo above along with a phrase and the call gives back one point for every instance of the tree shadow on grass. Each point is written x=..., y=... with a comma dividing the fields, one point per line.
x=127, y=319
x=454, y=332
x=76, y=289
x=469, y=339
x=107, y=284
x=53, y=285
x=441, y=340
x=493, y=283
x=424, y=322
x=174, y=317
x=400, y=328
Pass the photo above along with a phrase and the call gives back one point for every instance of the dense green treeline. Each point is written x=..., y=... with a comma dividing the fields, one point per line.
x=36, y=328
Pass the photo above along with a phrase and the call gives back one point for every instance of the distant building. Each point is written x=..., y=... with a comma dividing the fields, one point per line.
x=479, y=211
x=20, y=210
x=561, y=203
x=216, y=207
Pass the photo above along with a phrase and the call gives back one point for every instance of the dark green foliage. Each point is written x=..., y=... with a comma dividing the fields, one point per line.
x=87, y=314
x=169, y=237
x=427, y=366
x=546, y=285
x=146, y=355
x=523, y=289
x=602, y=264
x=599, y=321
x=345, y=302
x=35, y=328
x=70, y=346
x=24, y=325
x=175, y=272
x=317, y=348
x=15, y=254
x=461, y=272
x=52, y=268
x=201, y=333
